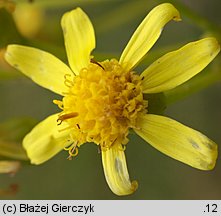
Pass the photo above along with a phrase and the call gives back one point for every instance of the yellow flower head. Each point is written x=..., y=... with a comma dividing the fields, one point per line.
x=103, y=100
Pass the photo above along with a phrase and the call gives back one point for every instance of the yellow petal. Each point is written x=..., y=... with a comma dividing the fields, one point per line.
x=42, y=67
x=178, y=66
x=116, y=174
x=9, y=166
x=147, y=34
x=45, y=140
x=79, y=38
x=178, y=141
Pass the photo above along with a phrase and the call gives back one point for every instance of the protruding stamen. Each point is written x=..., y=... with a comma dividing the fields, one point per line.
x=67, y=81
x=72, y=150
x=95, y=62
x=66, y=116
x=59, y=104
x=122, y=147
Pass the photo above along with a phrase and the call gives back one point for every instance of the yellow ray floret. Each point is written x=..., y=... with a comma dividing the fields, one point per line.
x=79, y=38
x=147, y=34
x=178, y=141
x=42, y=67
x=179, y=66
x=45, y=140
x=116, y=174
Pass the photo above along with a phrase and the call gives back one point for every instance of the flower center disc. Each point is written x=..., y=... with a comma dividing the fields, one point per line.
x=102, y=104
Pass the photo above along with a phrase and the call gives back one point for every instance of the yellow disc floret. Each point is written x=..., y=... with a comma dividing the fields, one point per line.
x=102, y=104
